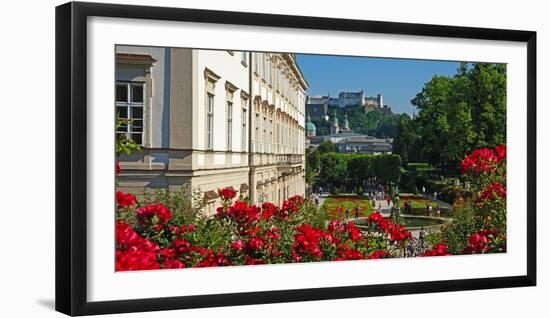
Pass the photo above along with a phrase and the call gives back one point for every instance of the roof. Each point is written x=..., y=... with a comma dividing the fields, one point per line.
x=134, y=58
x=310, y=126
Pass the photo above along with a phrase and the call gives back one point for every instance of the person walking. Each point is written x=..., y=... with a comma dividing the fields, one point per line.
x=347, y=213
x=357, y=211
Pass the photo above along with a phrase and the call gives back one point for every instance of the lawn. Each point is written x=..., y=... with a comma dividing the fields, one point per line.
x=419, y=204
x=336, y=206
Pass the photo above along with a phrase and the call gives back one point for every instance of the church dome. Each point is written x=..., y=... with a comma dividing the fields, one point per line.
x=310, y=126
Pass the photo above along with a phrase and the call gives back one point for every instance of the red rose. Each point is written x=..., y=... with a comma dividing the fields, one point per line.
x=379, y=254
x=227, y=193
x=255, y=243
x=501, y=152
x=146, y=213
x=133, y=252
x=494, y=191
x=437, y=250
x=125, y=199
x=238, y=245
x=354, y=232
x=268, y=210
x=170, y=263
x=483, y=160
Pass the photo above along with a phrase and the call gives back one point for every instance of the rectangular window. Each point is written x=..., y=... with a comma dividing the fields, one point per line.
x=278, y=138
x=229, y=125
x=270, y=135
x=243, y=129
x=244, y=58
x=280, y=81
x=209, y=121
x=129, y=107
x=264, y=65
x=256, y=62
x=269, y=71
x=257, y=134
x=265, y=134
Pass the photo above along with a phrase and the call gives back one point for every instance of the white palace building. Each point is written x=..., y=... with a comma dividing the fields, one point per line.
x=211, y=119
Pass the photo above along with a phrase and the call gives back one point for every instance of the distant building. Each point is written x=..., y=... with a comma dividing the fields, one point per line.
x=318, y=106
x=346, y=140
x=354, y=143
x=365, y=144
x=317, y=110
x=376, y=104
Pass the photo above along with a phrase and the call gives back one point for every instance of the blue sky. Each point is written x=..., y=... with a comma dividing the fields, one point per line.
x=399, y=80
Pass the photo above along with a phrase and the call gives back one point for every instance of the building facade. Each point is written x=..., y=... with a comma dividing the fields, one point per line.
x=209, y=119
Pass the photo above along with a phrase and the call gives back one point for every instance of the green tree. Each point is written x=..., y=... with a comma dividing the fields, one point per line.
x=313, y=161
x=326, y=147
x=405, y=141
x=488, y=100
x=373, y=123
x=359, y=169
x=387, y=168
x=431, y=123
x=333, y=170
x=462, y=134
x=456, y=115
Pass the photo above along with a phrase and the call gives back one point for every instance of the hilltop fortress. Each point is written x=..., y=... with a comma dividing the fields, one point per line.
x=318, y=106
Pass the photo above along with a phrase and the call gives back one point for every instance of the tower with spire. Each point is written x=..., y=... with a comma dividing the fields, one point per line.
x=334, y=128
x=345, y=126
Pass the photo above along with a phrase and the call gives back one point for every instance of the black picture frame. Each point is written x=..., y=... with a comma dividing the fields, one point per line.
x=71, y=157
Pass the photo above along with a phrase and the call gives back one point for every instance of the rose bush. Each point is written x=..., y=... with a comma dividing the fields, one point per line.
x=148, y=237
x=167, y=233
x=479, y=224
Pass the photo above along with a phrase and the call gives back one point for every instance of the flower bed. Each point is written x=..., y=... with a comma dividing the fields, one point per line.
x=419, y=204
x=243, y=234
x=336, y=206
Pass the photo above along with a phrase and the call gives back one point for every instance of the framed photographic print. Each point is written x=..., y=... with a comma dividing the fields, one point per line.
x=208, y=158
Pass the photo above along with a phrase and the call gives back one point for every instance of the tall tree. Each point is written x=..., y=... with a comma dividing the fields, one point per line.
x=431, y=124
x=456, y=115
x=404, y=142
x=326, y=147
x=333, y=170
x=462, y=134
